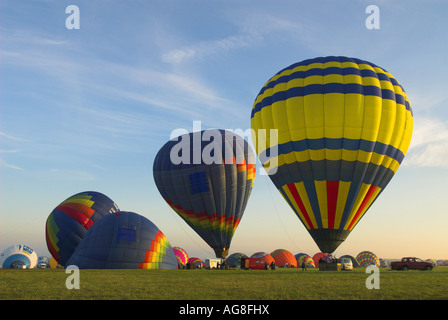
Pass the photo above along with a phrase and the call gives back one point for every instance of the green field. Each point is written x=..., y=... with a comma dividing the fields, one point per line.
x=280, y=284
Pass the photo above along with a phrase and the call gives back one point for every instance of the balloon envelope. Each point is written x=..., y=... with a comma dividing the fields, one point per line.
x=336, y=131
x=181, y=256
x=18, y=256
x=234, y=260
x=206, y=177
x=124, y=240
x=284, y=258
x=367, y=258
x=69, y=221
x=199, y=263
x=309, y=262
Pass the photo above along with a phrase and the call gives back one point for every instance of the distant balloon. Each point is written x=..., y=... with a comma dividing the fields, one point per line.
x=331, y=132
x=42, y=260
x=198, y=263
x=383, y=263
x=258, y=254
x=69, y=221
x=320, y=255
x=434, y=262
x=309, y=262
x=206, y=177
x=367, y=258
x=234, y=260
x=181, y=256
x=284, y=258
x=18, y=256
x=124, y=240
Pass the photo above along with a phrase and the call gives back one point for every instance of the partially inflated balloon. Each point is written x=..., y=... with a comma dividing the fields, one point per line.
x=69, y=221
x=331, y=132
x=368, y=258
x=206, y=177
x=124, y=240
x=304, y=258
x=18, y=256
x=181, y=256
x=284, y=258
x=234, y=260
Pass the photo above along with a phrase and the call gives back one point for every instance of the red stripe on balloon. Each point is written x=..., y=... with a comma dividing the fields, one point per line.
x=292, y=188
x=332, y=200
x=76, y=215
x=363, y=204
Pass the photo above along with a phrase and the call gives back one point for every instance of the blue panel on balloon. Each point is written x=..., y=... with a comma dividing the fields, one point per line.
x=198, y=182
x=126, y=235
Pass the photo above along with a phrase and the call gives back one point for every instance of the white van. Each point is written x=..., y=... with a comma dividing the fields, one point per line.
x=346, y=264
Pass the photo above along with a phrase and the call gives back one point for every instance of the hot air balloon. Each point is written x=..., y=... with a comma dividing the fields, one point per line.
x=181, y=256
x=331, y=132
x=206, y=177
x=367, y=258
x=321, y=256
x=18, y=256
x=198, y=263
x=43, y=262
x=258, y=254
x=124, y=240
x=53, y=264
x=234, y=260
x=284, y=258
x=303, y=257
x=69, y=221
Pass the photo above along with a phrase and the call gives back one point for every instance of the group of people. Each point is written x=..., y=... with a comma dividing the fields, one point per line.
x=269, y=266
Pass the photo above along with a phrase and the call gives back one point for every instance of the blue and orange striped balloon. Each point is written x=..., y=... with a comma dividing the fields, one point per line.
x=331, y=132
x=69, y=221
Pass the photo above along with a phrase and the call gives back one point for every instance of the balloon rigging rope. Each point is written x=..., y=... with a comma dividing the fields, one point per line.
x=268, y=183
x=175, y=217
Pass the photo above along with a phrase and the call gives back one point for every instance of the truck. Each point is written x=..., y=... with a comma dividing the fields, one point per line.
x=266, y=262
x=411, y=263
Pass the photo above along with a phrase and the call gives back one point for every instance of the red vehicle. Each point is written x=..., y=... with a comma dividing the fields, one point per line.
x=266, y=262
x=409, y=263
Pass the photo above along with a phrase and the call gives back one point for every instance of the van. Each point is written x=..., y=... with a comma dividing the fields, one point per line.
x=346, y=264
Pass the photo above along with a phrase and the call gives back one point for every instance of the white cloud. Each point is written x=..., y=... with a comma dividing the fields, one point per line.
x=429, y=144
x=253, y=31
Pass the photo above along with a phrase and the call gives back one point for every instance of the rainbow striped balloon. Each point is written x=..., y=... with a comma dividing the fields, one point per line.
x=69, y=221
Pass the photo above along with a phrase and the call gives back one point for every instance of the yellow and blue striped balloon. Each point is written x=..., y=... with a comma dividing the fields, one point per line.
x=336, y=130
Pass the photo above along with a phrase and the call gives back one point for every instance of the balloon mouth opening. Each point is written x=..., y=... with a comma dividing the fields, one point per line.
x=328, y=240
x=221, y=252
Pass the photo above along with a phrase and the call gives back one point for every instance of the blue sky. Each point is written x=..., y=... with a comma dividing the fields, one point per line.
x=88, y=108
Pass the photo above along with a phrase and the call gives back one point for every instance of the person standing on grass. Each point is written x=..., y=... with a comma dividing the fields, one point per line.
x=304, y=266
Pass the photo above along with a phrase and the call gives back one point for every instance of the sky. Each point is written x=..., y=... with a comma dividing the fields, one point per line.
x=88, y=108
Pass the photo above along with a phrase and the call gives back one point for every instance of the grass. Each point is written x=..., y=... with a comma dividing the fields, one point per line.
x=281, y=284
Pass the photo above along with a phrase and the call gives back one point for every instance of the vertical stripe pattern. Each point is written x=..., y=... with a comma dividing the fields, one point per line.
x=343, y=128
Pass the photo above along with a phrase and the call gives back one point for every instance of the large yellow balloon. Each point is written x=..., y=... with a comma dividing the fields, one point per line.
x=337, y=130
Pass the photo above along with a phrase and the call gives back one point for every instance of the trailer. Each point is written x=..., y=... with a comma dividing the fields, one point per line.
x=212, y=263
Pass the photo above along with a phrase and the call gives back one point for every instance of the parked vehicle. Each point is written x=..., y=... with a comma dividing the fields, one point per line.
x=265, y=262
x=411, y=263
x=212, y=263
x=346, y=264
